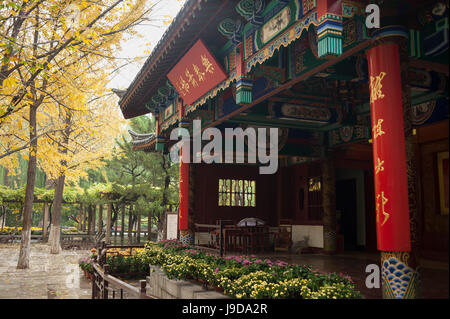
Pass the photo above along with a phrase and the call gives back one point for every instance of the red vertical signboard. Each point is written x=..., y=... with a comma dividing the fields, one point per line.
x=389, y=153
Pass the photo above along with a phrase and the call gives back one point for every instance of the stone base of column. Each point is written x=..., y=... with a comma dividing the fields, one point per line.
x=187, y=237
x=400, y=280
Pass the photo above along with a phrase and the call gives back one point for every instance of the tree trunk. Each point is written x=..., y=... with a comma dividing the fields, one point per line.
x=165, y=166
x=55, y=229
x=94, y=220
x=5, y=178
x=80, y=219
x=162, y=228
x=89, y=220
x=122, y=229
x=149, y=225
x=100, y=219
x=138, y=227
x=108, y=223
x=130, y=223
x=3, y=217
x=24, y=255
x=45, y=221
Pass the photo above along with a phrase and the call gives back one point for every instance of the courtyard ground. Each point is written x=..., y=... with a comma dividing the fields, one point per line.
x=49, y=276
x=59, y=277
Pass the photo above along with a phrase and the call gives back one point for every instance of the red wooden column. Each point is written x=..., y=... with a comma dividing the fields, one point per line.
x=400, y=279
x=184, y=196
x=186, y=234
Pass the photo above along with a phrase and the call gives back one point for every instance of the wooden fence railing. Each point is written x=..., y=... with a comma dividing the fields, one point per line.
x=219, y=233
x=105, y=286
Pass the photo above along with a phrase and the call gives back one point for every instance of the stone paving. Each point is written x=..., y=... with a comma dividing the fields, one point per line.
x=49, y=276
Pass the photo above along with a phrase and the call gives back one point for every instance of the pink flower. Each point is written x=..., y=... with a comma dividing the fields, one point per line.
x=281, y=263
x=246, y=262
x=258, y=261
x=216, y=270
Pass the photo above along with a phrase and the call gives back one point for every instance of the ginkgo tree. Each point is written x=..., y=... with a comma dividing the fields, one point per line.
x=55, y=56
x=72, y=27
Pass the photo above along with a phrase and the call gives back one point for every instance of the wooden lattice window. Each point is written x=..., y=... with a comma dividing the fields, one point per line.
x=237, y=192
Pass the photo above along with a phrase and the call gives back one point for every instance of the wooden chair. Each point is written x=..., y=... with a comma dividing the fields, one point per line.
x=256, y=238
x=238, y=239
x=283, y=236
x=215, y=233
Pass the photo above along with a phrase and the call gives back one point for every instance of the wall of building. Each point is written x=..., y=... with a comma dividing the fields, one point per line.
x=314, y=233
x=207, y=209
x=433, y=223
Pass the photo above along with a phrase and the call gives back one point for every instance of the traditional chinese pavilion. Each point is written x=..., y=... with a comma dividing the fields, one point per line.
x=362, y=113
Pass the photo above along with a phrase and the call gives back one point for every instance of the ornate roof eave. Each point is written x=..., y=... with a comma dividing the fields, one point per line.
x=160, y=46
x=142, y=141
x=176, y=40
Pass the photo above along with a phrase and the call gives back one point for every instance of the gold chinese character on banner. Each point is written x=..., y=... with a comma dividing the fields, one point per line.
x=384, y=201
x=200, y=75
x=376, y=86
x=184, y=86
x=207, y=64
x=378, y=130
x=191, y=78
x=379, y=167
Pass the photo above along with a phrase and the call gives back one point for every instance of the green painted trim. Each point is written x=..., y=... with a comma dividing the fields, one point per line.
x=225, y=48
x=277, y=123
x=173, y=112
x=289, y=62
x=292, y=19
x=419, y=99
x=248, y=27
x=159, y=146
x=330, y=44
x=268, y=8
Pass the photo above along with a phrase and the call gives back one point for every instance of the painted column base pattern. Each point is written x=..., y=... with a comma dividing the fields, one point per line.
x=398, y=279
x=187, y=237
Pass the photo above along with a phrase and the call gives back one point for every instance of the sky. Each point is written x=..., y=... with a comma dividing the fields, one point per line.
x=152, y=33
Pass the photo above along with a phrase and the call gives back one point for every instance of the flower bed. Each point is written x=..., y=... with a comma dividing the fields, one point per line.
x=86, y=264
x=18, y=230
x=121, y=263
x=34, y=230
x=247, y=277
x=125, y=266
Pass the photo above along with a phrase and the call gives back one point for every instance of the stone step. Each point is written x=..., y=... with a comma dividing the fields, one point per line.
x=158, y=285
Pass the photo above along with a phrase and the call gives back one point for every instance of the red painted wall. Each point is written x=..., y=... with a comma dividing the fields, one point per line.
x=277, y=196
x=207, y=210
